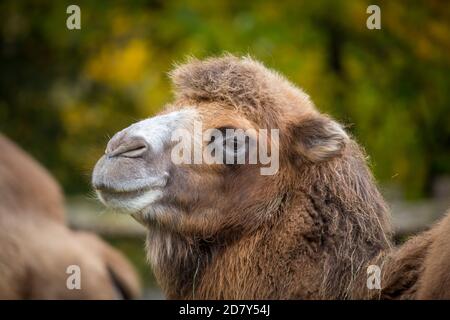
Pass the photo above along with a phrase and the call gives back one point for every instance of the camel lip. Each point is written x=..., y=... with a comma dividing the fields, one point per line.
x=122, y=191
x=135, y=186
x=114, y=196
x=129, y=201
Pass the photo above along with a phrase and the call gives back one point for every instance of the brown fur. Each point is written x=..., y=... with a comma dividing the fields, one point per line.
x=418, y=269
x=434, y=282
x=26, y=186
x=36, y=247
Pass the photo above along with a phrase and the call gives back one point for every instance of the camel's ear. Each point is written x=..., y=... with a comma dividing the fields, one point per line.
x=320, y=139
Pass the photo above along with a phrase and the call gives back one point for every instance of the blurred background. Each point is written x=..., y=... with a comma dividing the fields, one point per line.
x=63, y=92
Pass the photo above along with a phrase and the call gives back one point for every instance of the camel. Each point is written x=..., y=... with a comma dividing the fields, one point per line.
x=37, y=248
x=226, y=231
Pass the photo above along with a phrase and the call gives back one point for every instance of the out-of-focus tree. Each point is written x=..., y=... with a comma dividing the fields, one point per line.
x=62, y=92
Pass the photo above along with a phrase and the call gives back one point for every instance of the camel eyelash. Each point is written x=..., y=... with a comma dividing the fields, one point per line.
x=225, y=128
x=223, y=131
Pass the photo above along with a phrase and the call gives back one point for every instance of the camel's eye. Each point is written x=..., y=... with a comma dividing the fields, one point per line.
x=219, y=135
x=232, y=140
x=227, y=145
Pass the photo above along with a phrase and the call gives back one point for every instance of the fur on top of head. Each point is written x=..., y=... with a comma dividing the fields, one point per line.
x=240, y=82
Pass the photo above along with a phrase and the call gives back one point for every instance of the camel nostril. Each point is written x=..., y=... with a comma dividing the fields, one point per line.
x=132, y=149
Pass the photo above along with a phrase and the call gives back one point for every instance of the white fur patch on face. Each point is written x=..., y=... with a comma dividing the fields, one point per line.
x=158, y=130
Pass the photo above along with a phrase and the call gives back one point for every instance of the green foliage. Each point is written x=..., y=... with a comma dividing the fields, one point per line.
x=63, y=92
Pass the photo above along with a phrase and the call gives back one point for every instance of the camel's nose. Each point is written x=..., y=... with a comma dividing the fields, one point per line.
x=126, y=146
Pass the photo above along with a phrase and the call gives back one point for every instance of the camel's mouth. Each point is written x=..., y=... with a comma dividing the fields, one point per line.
x=118, y=193
x=130, y=201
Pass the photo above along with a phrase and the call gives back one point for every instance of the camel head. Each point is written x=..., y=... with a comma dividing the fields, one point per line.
x=221, y=157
